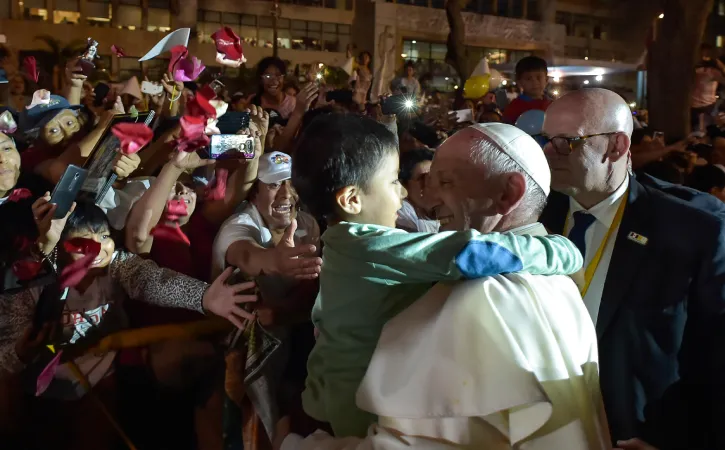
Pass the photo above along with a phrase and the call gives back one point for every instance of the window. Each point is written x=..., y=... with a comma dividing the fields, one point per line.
x=517, y=8
x=159, y=19
x=564, y=18
x=502, y=7
x=35, y=10
x=5, y=9
x=429, y=59
x=98, y=13
x=718, y=42
x=721, y=8
x=66, y=11
x=532, y=10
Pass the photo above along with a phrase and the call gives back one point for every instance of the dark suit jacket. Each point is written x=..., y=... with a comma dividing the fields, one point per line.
x=661, y=324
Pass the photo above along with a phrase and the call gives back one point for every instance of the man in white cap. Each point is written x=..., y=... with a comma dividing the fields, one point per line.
x=249, y=240
x=507, y=361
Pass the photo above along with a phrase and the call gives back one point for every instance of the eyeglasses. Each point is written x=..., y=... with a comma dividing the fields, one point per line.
x=269, y=76
x=566, y=145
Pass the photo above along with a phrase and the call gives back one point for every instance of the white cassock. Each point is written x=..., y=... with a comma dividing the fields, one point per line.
x=503, y=362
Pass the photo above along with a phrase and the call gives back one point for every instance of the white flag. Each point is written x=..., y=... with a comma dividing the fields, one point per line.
x=171, y=40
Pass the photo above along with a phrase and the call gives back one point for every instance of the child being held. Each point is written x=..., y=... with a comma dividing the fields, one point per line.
x=532, y=76
x=347, y=172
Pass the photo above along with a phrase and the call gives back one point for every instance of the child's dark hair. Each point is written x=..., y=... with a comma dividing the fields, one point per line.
x=410, y=159
x=338, y=150
x=704, y=178
x=530, y=64
x=86, y=217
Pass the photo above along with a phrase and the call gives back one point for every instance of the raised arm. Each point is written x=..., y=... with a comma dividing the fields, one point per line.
x=143, y=280
x=241, y=180
x=306, y=96
x=147, y=211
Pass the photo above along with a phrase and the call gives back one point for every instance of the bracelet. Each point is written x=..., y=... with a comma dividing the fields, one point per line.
x=172, y=100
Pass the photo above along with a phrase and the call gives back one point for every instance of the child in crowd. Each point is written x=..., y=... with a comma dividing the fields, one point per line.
x=531, y=75
x=347, y=171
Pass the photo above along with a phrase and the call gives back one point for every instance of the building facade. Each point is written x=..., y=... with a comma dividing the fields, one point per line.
x=320, y=30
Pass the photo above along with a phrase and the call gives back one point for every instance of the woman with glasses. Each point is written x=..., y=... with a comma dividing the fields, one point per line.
x=271, y=94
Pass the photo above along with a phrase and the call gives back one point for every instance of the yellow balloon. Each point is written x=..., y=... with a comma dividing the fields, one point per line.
x=476, y=87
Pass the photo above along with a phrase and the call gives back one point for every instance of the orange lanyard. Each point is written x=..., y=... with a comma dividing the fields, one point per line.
x=594, y=263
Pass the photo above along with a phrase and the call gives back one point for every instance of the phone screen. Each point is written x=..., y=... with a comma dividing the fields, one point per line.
x=228, y=146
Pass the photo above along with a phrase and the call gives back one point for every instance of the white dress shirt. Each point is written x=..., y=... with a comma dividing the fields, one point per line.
x=604, y=213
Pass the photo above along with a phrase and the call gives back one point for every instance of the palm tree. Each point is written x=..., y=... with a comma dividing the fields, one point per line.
x=60, y=54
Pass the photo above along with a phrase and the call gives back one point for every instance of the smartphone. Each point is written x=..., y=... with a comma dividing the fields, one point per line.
x=65, y=192
x=101, y=90
x=397, y=104
x=150, y=88
x=233, y=121
x=463, y=115
x=228, y=146
x=218, y=86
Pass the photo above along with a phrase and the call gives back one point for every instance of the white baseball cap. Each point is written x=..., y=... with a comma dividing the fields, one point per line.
x=520, y=147
x=274, y=167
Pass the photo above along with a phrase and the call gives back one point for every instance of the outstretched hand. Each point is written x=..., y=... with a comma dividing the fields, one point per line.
x=223, y=299
x=290, y=260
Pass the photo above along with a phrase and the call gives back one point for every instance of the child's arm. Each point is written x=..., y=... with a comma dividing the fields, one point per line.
x=393, y=256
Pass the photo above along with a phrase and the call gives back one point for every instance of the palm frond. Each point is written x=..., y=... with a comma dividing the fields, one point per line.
x=50, y=41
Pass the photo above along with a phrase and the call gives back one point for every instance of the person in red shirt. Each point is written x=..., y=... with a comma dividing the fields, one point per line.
x=531, y=75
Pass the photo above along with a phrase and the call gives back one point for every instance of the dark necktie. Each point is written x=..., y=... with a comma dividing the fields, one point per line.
x=582, y=221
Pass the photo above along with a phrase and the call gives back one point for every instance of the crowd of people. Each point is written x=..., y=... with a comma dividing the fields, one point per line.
x=360, y=273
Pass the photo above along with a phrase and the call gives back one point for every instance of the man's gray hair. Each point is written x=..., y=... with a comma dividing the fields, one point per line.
x=497, y=163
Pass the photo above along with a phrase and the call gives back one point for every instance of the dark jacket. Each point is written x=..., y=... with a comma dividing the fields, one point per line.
x=661, y=323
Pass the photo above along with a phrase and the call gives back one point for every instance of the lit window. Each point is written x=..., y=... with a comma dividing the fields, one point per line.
x=718, y=42
x=721, y=8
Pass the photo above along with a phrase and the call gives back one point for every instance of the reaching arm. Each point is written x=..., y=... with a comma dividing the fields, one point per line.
x=143, y=280
x=16, y=315
x=147, y=211
x=396, y=256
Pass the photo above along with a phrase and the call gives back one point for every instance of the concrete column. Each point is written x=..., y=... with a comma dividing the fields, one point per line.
x=144, y=14
x=82, y=11
x=362, y=32
x=114, y=13
x=50, y=7
x=547, y=11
